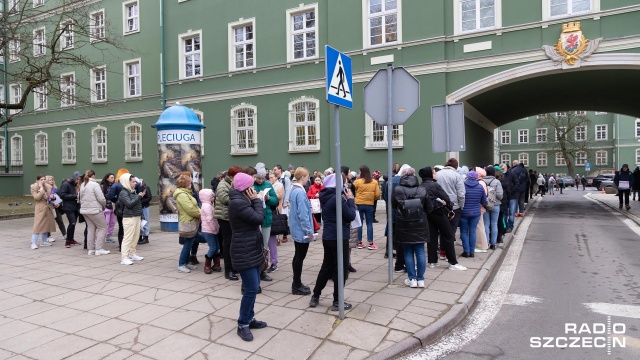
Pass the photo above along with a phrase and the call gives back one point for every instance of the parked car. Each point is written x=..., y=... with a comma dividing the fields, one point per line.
x=590, y=180
x=602, y=177
x=568, y=181
x=605, y=184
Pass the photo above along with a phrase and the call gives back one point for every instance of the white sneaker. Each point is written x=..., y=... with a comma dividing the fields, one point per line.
x=34, y=246
x=457, y=267
x=91, y=252
x=136, y=257
x=126, y=261
x=183, y=269
x=51, y=239
x=432, y=265
x=191, y=267
x=421, y=284
x=411, y=283
x=480, y=251
x=45, y=243
x=102, y=252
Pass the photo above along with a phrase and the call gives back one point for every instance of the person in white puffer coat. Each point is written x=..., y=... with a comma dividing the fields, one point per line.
x=92, y=203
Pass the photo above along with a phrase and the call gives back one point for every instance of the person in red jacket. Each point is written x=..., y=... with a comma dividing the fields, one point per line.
x=314, y=193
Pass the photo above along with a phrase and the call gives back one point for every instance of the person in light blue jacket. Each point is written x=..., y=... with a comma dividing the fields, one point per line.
x=301, y=228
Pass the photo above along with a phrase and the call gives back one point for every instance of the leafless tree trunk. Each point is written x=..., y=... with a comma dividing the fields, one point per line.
x=569, y=136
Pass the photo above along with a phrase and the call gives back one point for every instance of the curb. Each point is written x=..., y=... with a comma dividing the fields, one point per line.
x=627, y=214
x=457, y=312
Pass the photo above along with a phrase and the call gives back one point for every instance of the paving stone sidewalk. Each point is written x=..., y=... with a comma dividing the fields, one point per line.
x=58, y=303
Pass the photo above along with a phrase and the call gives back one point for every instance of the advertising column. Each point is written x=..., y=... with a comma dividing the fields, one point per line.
x=179, y=144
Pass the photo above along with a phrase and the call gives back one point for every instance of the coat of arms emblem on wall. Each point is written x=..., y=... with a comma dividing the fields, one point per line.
x=572, y=46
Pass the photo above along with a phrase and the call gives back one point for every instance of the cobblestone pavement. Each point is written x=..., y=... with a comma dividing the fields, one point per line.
x=58, y=303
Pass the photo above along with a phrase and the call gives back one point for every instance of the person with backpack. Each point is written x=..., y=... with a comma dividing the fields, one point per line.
x=411, y=204
x=560, y=183
x=474, y=198
x=494, y=197
x=552, y=184
x=541, y=183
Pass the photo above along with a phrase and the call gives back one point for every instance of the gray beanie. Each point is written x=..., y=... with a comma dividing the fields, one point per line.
x=261, y=169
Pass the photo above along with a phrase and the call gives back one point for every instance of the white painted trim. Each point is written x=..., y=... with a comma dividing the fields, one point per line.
x=181, y=63
x=89, y=120
x=546, y=159
x=63, y=38
x=92, y=75
x=127, y=143
x=72, y=103
x=302, y=8
x=125, y=19
x=606, y=132
x=37, y=148
x=526, y=134
x=479, y=46
x=546, y=10
x=13, y=150
x=65, y=159
x=231, y=27
x=366, y=29
x=505, y=131
x=94, y=145
x=234, y=140
x=92, y=27
x=384, y=59
x=125, y=64
x=292, y=126
x=44, y=41
x=369, y=144
x=457, y=18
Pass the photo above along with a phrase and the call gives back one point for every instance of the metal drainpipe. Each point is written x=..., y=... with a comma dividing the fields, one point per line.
x=4, y=71
x=163, y=101
x=617, y=142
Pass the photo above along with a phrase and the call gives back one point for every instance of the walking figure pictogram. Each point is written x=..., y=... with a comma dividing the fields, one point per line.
x=340, y=76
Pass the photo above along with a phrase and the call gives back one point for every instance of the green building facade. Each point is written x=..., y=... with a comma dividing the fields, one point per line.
x=254, y=72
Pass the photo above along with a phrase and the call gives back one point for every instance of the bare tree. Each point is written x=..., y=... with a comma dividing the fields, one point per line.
x=569, y=136
x=41, y=43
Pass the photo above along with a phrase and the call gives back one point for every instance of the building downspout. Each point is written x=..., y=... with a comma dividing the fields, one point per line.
x=5, y=98
x=162, y=81
x=617, y=159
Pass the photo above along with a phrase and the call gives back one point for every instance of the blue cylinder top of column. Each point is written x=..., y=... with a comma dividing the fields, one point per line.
x=178, y=117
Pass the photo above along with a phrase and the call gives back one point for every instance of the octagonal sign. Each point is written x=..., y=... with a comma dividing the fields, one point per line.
x=405, y=96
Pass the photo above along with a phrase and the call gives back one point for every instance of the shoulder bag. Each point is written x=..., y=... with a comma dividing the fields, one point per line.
x=188, y=229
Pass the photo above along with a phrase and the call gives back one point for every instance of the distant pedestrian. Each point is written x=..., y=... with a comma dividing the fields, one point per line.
x=43, y=222
x=583, y=181
x=560, y=183
x=624, y=182
x=475, y=197
x=301, y=228
x=92, y=202
x=367, y=193
x=636, y=183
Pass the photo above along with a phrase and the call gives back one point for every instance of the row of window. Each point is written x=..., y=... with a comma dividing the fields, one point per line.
x=580, y=134
x=132, y=137
x=541, y=158
x=304, y=135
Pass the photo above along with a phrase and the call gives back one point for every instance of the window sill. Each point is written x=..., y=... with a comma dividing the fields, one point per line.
x=133, y=159
x=68, y=162
x=302, y=151
x=131, y=32
x=101, y=161
x=385, y=147
x=244, y=153
x=39, y=163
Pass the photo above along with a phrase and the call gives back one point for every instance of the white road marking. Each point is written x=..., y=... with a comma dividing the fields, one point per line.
x=488, y=308
x=632, y=225
x=521, y=300
x=628, y=311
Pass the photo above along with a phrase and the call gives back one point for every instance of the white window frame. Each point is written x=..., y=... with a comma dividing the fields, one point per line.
x=505, y=137
x=561, y=114
x=457, y=17
x=126, y=18
x=135, y=144
x=96, y=156
x=523, y=136
x=374, y=143
x=564, y=132
x=41, y=150
x=306, y=114
x=37, y=3
x=14, y=50
x=580, y=133
x=14, y=98
x=68, y=89
x=40, y=98
x=235, y=149
x=232, y=44
x=546, y=9
x=366, y=27
x=523, y=158
x=541, y=135
x=97, y=32
x=542, y=159
x=2, y=145
x=127, y=77
x=302, y=9
x=182, y=63
x=638, y=157
x=69, y=144
x=580, y=113
x=581, y=158
x=560, y=160
x=16, y=151
x=14, y=6
x=637, y=128
x=1, y=55
x=39, y=41
x=600, y=113
x=94, y=83
x=505, y=159
x=599, y=130
x=67, y=36
x=602, y=157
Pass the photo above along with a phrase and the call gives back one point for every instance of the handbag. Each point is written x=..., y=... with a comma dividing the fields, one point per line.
x=264, y=265
x=315, y=206
x=279, y=224
x=109, y=205
x=188, y=229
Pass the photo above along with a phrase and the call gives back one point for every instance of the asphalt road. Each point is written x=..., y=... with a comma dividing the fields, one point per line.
x=579, y=263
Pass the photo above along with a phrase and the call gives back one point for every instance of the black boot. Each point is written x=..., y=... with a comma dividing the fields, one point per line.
x=193, y=260
x=231, y=276
x=265, y=277
x=300, y=290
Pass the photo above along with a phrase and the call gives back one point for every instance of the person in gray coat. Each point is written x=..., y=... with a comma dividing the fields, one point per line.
x=453, y=184
x=490, y=217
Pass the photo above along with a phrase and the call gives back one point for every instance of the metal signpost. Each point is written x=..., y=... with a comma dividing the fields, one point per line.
x=338, y=86
x=587, y=167
x=390, y=98
x=447, y=128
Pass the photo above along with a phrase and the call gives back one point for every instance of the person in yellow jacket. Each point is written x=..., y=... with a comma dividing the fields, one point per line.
x=367, y=193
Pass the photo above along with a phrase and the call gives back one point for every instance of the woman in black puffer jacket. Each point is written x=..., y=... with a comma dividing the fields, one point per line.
x=439, y=222
x=245, y=217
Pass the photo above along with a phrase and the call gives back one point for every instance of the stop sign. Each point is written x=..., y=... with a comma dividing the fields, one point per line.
x=405, y=96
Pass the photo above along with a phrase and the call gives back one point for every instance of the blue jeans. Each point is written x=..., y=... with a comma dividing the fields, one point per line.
x=513, y=204
x=34, y=237
x=212, y=241
x=186, y=250
x=366, y=214
x=251, y=283
x=468, y=233
x=491, y=224
x=417, y=250
x=147, y=227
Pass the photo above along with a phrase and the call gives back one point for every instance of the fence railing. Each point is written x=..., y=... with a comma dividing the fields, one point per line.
x=14, y=168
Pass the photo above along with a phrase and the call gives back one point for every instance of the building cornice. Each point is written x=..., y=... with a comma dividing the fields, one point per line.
x=91, y=120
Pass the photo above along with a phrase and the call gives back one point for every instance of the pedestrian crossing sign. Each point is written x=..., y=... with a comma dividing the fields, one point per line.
x=339, y=78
